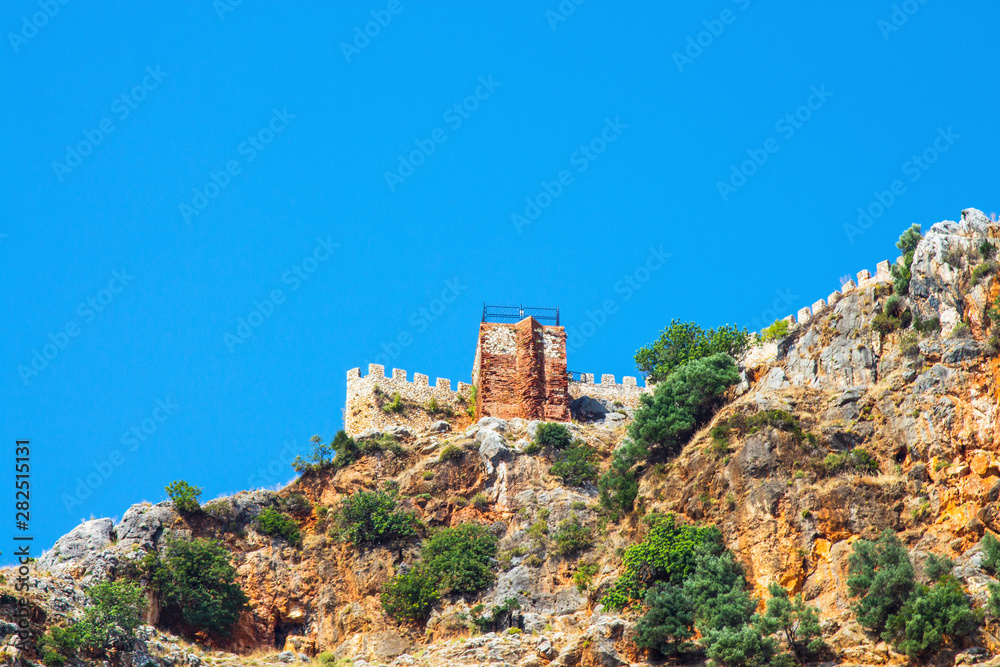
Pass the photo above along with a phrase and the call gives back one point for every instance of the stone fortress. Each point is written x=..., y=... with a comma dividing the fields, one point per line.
x=520, y=370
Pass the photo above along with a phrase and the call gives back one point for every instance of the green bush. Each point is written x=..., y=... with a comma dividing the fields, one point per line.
x=572, y=537
x=618, y=487
x=584, y=575
x=666, y=554
x=184, y=495
x=893, y=306
x=987, y=250
x=460, y=557
x=961, y=330
x=532, y=448
x=796, y=622
x=109, y=624
x=684, y=342
x=278, y=524
x=932, y=617
x=383, y=443
x=196, y=582
x=981, y=271
x=553, y=436
x=681, y=402
x=776, y=331
x=907, y=243
x=882, y=575
x=991, y=553
x=500, y=618
x=993, y=603
x=450, y=453
x=395, y=405
x=857, y=460
x=574, y=465
x=936, y=567
x=340, y=453
x=367, y=518
x=480, y=501
x=411, y=595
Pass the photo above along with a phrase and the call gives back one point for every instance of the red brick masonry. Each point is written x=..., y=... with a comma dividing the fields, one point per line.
x=521, y=371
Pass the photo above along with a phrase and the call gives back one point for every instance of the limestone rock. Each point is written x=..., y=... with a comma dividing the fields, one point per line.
x=587, y=409
x=85, y=540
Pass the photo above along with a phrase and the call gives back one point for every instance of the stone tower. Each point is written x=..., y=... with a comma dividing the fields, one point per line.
x=520, y=371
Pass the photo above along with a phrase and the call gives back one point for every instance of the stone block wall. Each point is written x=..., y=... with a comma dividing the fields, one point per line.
x=366, y=395
x=627, y=393
x=520, y=371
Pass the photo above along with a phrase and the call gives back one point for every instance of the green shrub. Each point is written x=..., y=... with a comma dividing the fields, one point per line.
x=893, y=306
x=907, y=243
x=991, y=553
x=339, y=453
x=584, y=575
x=395, y=405
x=367, y=518
x=936, y=567
x=572, y=537
x=857, y=460
x=927, y=326
x=993, y=603
x=383, y=443
x=684, y=342
x=574, y=465
x=196, y=582
x=776, y=331
x=184, y=495
x=882, y=575
x=450, y=453
x=58, y=645
x=108, y=625
x=981, y=271
x=618, y=487
x=681, y=402
x=666, y=554
x=532, y=448
x=796, y=622
x=987, y=250
x=458, y=501
x=932, y=617
x=553, y=436
x=909, y=345
x=961, y=330
x=471, y=409
x=278, y=524
x=460, y=557
x=480, y=501
x=500, y=617
x=410, y=596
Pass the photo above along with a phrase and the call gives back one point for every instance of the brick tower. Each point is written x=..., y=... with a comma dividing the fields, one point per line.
x=520, y=371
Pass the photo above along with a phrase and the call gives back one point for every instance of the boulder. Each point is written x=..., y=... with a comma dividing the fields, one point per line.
x=400, y=432
x=587, y=409
x=143, y=524
x=368, y=433
x=492, y=449
x=440, y=426
x=86, y=539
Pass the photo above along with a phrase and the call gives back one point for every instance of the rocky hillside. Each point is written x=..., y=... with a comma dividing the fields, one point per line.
x=922, y=404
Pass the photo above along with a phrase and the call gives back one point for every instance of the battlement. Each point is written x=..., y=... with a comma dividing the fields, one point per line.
x=766, y=352
x=865, y=278
x=366, y=395
x=627, y=393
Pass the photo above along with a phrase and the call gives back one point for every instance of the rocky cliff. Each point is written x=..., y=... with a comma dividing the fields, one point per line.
x=923, y=404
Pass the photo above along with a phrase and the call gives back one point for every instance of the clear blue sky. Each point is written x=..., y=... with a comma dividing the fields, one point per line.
x=615, y=122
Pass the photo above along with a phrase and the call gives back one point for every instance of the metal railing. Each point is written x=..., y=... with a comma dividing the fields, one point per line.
x=518, y=313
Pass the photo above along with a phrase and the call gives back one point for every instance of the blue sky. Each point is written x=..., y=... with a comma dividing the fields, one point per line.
x=171, y=171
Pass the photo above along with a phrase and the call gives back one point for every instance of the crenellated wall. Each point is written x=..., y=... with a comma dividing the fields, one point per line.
x=766, y=352
x=627, y=393
x=364, y=411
